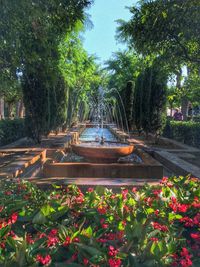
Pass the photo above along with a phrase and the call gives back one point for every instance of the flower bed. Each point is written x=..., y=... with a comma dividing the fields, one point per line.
x=151, y=226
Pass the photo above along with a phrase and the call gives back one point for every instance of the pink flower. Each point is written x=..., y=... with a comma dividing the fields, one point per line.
x=43, y=260
x=114, y=262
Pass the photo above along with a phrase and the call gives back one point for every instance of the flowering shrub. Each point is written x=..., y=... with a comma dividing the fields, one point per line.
x=151, y=226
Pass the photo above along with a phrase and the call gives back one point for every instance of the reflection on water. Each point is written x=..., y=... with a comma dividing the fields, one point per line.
x=106, y=144
x=91, y=134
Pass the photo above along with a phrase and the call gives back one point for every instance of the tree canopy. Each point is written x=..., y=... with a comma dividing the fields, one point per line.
x=166, y=28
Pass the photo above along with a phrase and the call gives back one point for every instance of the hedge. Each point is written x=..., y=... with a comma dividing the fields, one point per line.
x=11, y=130
x=187, y=132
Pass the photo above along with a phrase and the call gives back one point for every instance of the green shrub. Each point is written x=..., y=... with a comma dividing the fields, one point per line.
x=11, y=130
x=187, y=132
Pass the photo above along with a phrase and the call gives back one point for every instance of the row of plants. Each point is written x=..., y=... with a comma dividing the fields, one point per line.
x=151, y=226
x=11, y=130
x=187, y=132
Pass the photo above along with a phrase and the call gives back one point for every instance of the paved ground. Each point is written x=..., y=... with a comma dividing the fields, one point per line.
x=178, y=158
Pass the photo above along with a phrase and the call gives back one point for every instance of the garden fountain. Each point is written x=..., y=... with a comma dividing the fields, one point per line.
x=102, y=150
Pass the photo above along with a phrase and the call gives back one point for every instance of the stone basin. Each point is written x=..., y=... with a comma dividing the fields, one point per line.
x=108, y=152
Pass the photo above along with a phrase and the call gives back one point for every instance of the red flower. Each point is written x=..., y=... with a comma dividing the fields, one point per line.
x=188, y=221
x=160, y=227
x=80, y=199
x=53, y=232
x=196, y=202
x=154, y=239
x=156, y=212
x=76, y=239
x=178, y=207
x=43, y=260
x=90, y=189
x=8, y=193
x=112, y=251
x=114, y=262
x=126, y=208
x=102, y=210
x=85, y=261
x=184, y=252
x=134, y=189
x=195, y=235
x=183, y=207
x=29, y=239
x=67, y=241
x=184, y=260
x=157, y=192
x=52, y=241
x=2, y=245
x=13, y=218
x=149, y=201
x=124, y=193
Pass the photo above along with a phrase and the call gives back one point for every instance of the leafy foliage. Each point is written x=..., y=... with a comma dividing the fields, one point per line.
x=32, y=46
x=150, y=100
x=11, y=130
x=168, y=28
x=184, y=131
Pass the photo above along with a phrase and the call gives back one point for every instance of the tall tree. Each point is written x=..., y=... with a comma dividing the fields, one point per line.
x=169, y=28
x=38, y=27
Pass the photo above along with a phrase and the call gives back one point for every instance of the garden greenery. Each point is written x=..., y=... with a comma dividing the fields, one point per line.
x=150, y=226
x=11, y=130
x=187, y=132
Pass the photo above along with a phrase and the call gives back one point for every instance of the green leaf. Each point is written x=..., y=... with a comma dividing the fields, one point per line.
x=153, y=247
x=68, y=265
x=39, y=218
x=100, y=190
x=4, y=231
x=91, y=250
x=47, y=210
x=11, y=242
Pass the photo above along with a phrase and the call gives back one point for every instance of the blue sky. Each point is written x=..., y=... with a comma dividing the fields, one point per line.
x=100, y=40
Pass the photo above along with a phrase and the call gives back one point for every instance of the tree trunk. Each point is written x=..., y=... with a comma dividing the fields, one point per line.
x=184, y=107
x=2, y=116
x=10, y=107
x=21, y=109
